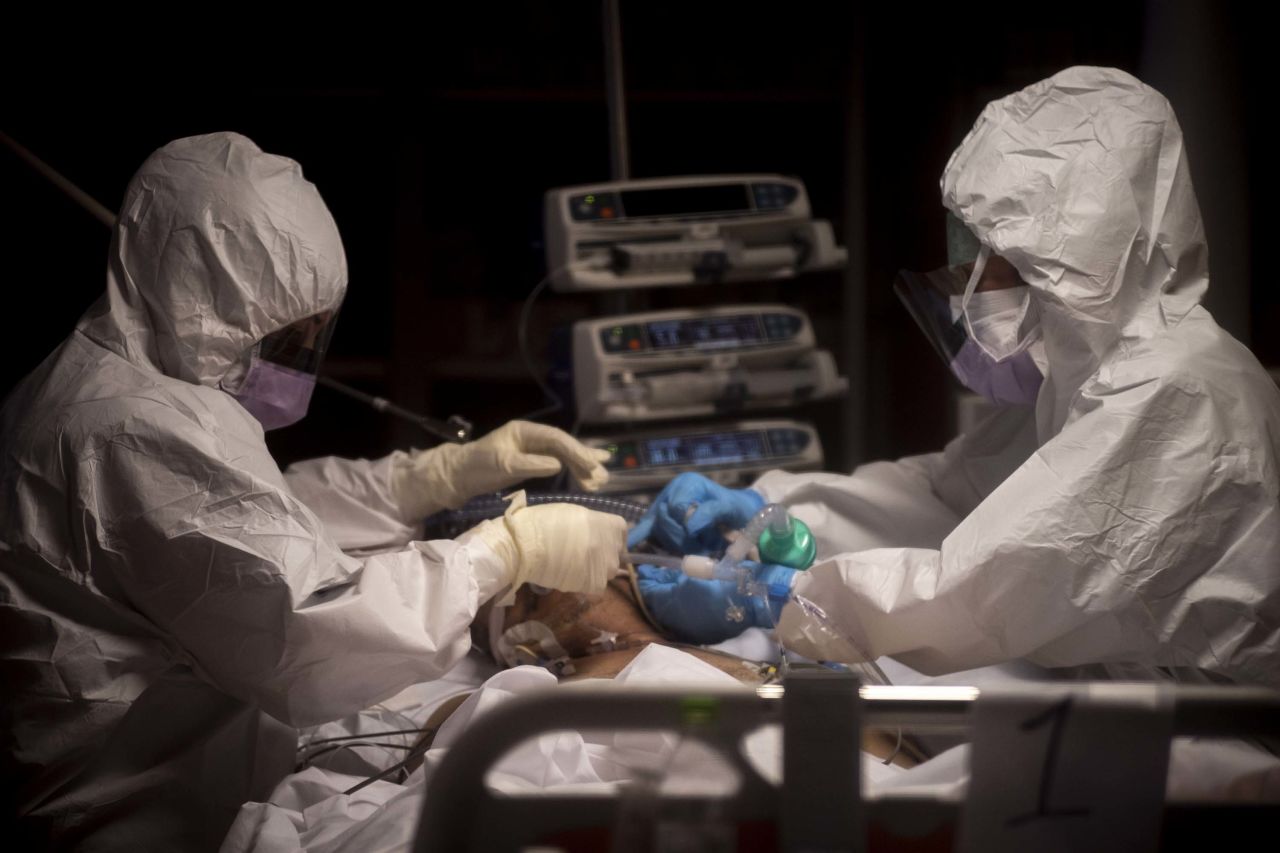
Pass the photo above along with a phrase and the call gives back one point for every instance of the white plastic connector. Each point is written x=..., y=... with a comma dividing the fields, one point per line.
x=698, y=567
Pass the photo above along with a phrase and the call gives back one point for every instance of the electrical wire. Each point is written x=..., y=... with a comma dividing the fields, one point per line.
x=306, y=760
x=522, y=340
x=414, y=753
x=522, y=337
x=312, y=743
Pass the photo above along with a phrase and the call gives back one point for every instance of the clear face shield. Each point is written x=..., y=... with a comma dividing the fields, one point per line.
x=933, y=300
x=983, y=336
x=282, y=370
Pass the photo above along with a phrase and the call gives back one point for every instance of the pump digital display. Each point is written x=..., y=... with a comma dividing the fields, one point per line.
x=682, y=201
x=722, y=448
x=705, y=332
x=709, y=450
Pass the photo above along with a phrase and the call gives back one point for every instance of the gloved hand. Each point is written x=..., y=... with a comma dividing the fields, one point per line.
x=447, y=476
x=559, y=546
x=695, y=610
x=665, y=521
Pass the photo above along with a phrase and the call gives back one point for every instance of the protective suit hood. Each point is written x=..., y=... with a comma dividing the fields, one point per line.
x=217, y=245
x=1081, y=182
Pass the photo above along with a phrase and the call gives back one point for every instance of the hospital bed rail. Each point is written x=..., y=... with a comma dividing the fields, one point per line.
x=820, y=805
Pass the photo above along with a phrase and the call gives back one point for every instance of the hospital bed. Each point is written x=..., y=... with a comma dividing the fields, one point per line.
x=1061, y=767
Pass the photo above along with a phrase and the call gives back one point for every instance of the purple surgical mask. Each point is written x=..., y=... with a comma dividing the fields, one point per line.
x=277, y=385
x=277, y=396
x=1014, y=381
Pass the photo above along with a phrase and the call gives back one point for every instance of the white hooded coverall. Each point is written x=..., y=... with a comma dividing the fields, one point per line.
x=1133, y=522
x=171, y=604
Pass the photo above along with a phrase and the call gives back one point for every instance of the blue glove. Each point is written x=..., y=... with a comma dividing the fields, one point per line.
x=694, y=610
x=665, y=521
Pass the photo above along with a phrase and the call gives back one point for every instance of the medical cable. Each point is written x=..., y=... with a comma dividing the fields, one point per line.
x=522, y=337
x=312, y=743
x=415, y=753
x=306, y=760
x=492, y=506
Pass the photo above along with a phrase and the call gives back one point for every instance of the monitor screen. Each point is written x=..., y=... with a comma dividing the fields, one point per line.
x=681, y=201
x=704, y=332
x=722, y=448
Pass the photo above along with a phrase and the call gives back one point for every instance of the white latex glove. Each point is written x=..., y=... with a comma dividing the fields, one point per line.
x=559, y=546
x=446, y=477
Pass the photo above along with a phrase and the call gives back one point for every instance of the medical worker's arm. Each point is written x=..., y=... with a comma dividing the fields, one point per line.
x=1085, y=554
x=352, y=497
x=378, y=503
x=912, y=502
x=448, y=475
x=256, y=595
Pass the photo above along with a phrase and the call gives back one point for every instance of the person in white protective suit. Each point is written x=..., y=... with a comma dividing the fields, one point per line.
x=171, y=604
x=1130, y=519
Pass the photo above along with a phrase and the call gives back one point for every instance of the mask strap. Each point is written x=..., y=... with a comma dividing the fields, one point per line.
x=1023, y=312
x=979, y=264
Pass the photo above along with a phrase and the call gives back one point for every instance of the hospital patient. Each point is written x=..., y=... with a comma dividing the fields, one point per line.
x=579, y=636
x=587, y=636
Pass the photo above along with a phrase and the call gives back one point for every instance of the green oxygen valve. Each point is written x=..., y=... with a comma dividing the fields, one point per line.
x=794, y=547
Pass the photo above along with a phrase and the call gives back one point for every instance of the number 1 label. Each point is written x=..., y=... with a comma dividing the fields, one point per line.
x=1068, y=767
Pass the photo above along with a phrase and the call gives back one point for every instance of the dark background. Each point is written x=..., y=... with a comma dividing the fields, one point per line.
x=433, y=140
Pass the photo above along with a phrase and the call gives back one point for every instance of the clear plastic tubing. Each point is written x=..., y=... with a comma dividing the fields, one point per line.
x=691, y=564
x=771, y=515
